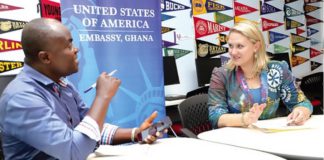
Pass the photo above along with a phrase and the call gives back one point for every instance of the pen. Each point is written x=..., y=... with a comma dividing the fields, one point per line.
x=95, y=84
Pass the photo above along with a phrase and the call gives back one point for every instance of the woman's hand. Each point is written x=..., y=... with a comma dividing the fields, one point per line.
x=298, y=116
x=253, y=115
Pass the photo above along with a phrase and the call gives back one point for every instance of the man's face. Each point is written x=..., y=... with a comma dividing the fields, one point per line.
x=63, y=54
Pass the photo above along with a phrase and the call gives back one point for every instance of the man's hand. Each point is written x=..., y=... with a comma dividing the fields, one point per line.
x=146, y=124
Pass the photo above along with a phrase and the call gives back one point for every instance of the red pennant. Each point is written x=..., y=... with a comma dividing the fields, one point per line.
x=314, y=52
x=311, y=20
x=299, y=31
x=50, y=9
x=241, y=9
x=268, y=24
x=9, y=45
x=5, y=7
x=204, y=27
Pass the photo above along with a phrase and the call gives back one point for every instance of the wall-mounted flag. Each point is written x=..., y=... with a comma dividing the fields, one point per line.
x=207, y=50
x=221, y=18
x=268, y=24
x=267, y=8
x=279, y=48
x=177, y=53
x=310, y=8
x=291, y=12
x=297, y=60
x=291, y=24
x=294, y=38
x=313, y=52
x=311, y=20
x=315, y=65
x=275, y=36
x=204, y=27
x=169, y=6
x=6, y=66
x=6, y=7
x=9, y=45
x=240, y=9
x=8, y=25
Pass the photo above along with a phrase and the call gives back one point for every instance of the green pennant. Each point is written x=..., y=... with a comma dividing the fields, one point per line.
x=221, y=18
x=177, y=53
x=279, y=49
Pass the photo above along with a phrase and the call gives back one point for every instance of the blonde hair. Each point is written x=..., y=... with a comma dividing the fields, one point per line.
x=254, y=34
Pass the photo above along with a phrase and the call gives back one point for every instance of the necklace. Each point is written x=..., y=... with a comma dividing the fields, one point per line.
x=250, y=78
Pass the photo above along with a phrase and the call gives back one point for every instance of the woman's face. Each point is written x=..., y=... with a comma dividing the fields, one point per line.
x=241, y=49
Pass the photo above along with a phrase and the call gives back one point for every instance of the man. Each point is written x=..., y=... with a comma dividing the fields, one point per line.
x=41, y=114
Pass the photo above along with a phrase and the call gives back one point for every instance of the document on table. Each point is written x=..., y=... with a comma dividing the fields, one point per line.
x=122, y=150
x=277, y=125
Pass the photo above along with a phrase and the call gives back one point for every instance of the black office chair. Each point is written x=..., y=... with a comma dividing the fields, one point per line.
x=201, y=90
x=312, y=86
x=194, y=115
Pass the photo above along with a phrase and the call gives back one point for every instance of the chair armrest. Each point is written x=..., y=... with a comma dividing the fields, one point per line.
x=188, y=133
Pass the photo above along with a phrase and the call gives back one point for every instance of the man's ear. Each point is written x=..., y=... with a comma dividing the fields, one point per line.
x=44, y=57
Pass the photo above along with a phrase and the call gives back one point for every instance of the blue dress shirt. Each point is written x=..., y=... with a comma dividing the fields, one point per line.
x=37, y=122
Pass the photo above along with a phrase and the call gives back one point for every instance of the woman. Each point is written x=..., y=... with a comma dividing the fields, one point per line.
x=250, y=86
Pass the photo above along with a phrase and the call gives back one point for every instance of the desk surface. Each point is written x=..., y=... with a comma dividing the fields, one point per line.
x=297, y=144
x=173, y=103
x=178, y=148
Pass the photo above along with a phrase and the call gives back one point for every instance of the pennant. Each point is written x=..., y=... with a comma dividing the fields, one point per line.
x=311, y=20
x=6, y=66
x=297, y=39
x=9, y=45
x=8, y=25
x=274, y=36
x=310, y=8
x=312, y=1
x=299, y=31
x=207, y=6
x=166, y=29
x=166, y=44
x=291, y=12
x=5, y=7
x=222, y=39
x=268, y=24
x=198, y=7
x=283, y=56
x=297, y=60
x=290, y=24
x=290, y=1
x=221, y=18
x=314, y=65
x=177, y=53
x=165, y=17
x=297, y=49
x=314, y=42
x=267, y=8
x=204, y=27
x=238, y=19
x=50, y=9
x=168, y=6
x=212, y=6
x=206, y=49
x=224, y=60
x=279, y=49
x=240, y=9
x=314, y=52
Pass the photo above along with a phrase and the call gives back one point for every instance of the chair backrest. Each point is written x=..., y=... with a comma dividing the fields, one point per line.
x=194, y=113
x=313, y=83
x=201, y=90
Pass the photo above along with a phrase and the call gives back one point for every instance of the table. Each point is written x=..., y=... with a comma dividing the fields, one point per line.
x=307, y=143
x=178, y=148
x=173, y=103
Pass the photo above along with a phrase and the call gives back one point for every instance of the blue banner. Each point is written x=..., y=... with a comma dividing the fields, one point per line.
x=124, y=35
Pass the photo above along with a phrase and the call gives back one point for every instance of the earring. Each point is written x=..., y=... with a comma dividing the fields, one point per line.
x=255, y=56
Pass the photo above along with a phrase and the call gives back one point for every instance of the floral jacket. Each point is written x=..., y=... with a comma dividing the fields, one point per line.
x=229, y=93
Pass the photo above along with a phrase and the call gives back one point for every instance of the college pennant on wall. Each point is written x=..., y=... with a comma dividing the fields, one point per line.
x=168, y=6
x=50, y=9
x=166, y=44
x=291, y=12
x=204, y=27
x=311, y=20
x=275, y=36
x=222, y=39
x=240, y=9
x=297, y=39
x=297, y=49
x=279, y=48
x=314, y=42
x=165, y=17
x=6, y=66
x=207, y=50
x=315, y=65
x=222, y=18
x=238, y=19
x=8, y=25
x=310, y=8
x=314, y=52
x=177, y=53
x=297, y=60
x=290, y=1
x=9, y=45
x=299, y=31
x=268, y=24
x=207, y=6
x=267, y=9
x=166, y=29
x=291, y=24
x=6, y=7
